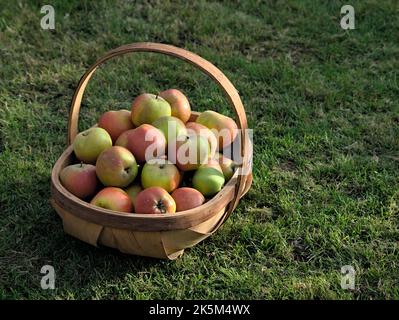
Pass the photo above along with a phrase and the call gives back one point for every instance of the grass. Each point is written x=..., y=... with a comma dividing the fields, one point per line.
x=323, y=103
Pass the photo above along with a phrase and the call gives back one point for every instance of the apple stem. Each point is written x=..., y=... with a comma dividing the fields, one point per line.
x=156, y=96
x=81, y=164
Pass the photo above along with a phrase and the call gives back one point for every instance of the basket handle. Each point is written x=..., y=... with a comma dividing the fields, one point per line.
x=200, y=63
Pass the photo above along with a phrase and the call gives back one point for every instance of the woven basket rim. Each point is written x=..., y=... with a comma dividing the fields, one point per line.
x=178, y=220
x=57, y=184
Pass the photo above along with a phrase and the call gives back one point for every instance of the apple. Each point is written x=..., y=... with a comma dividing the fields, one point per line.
x=160, y=173
x=113, y=199
x=155, y=200
x=116, y=122
x=224, y=128
x=227, y=165
x=116, y=167
x=133, y=191
x=145, y=142
x=196, y=128
x=209, y=178
x=147, y=108
x=179, y=103
x=188, y=152
x=187, y=198
x=80, y=179
x=90, y=143
x=171, y=127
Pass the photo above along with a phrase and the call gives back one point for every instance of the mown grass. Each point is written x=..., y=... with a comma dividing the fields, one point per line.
x=323, y=103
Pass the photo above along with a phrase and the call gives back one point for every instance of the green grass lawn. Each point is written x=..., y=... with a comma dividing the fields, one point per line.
x=323, y=103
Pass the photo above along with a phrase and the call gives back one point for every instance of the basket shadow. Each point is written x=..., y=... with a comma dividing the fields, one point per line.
x=80, y=267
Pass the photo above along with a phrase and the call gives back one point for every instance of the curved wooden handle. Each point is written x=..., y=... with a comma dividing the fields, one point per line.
x=202, y=64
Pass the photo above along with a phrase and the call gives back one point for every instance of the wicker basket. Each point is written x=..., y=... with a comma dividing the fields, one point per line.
x=157, y=235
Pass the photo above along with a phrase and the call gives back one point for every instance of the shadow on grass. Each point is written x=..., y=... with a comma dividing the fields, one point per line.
x=34, y=237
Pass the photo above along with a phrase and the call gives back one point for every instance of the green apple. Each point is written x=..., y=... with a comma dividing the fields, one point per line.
x=90, y=143
x=147, y=108
x=160, y=173
x=171, y=127
x=209, y=179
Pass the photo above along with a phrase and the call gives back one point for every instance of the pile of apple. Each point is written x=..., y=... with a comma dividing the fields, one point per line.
x=137, y=161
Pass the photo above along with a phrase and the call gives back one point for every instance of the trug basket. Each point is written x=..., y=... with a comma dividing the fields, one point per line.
x=157, y=235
